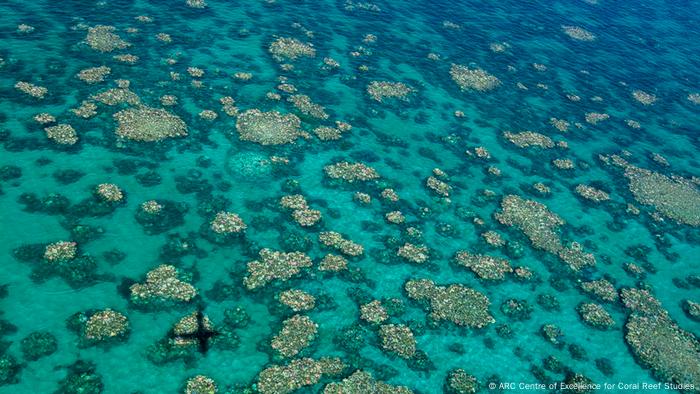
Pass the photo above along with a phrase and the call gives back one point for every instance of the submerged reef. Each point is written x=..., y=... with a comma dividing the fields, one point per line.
x=283, y=379
x=286, y=48
x=351, y=172
x=382, y=90
x=268, y=128
x=273, y=266
x=99, y=327
x=672, y=353
x=363, y=382
x=485, y=267
x=534, y=219
x=473, y=78
x=296, y=334
x=148, y=124
x=103, y=39
x=163, y=285
x=460, y=305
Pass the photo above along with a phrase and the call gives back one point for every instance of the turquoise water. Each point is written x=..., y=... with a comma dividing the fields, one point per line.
x=645, y=47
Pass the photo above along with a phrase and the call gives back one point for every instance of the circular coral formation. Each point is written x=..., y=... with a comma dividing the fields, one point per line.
x=162, y=284
x=397, y=338
x=390, y=195
x=151, y=207
x=208, y=114
x=227, y=223
x=105, y=325
x=295, y=201
x=148, y=124
x=86, y=110
x=268, y=128
x=438, y=186
x=395, y=217
x=644, y=97
x=118, y=96
x=44, y=118
x=109, y=192
x=38, y=344
x=325, y=133
x=692, y=309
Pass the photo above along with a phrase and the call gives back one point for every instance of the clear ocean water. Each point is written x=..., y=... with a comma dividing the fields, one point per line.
x=557, y=64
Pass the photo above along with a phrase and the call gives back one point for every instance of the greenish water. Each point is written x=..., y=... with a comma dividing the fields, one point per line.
x=633, y=61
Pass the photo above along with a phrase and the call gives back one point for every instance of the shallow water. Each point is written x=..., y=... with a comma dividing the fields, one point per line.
x=638, y=46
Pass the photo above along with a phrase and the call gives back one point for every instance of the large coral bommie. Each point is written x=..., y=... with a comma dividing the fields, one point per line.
x=456, y=303
x=382, y=90
x=163, y=285
x=534, y=219
x=296, y=334
x=285, y=48
x=363, y=382
x=104, y=39
x=672, y=353
x=201, y=384
x=105, y=325
x=301, y=372
x=31, y=90
x=268, y=128
x=485, y=267
x=473, y=78
x=350, y=172
x=60, y=251
x=227, y=223
x=148, y=124
x=274, y=265
x=677, y=198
